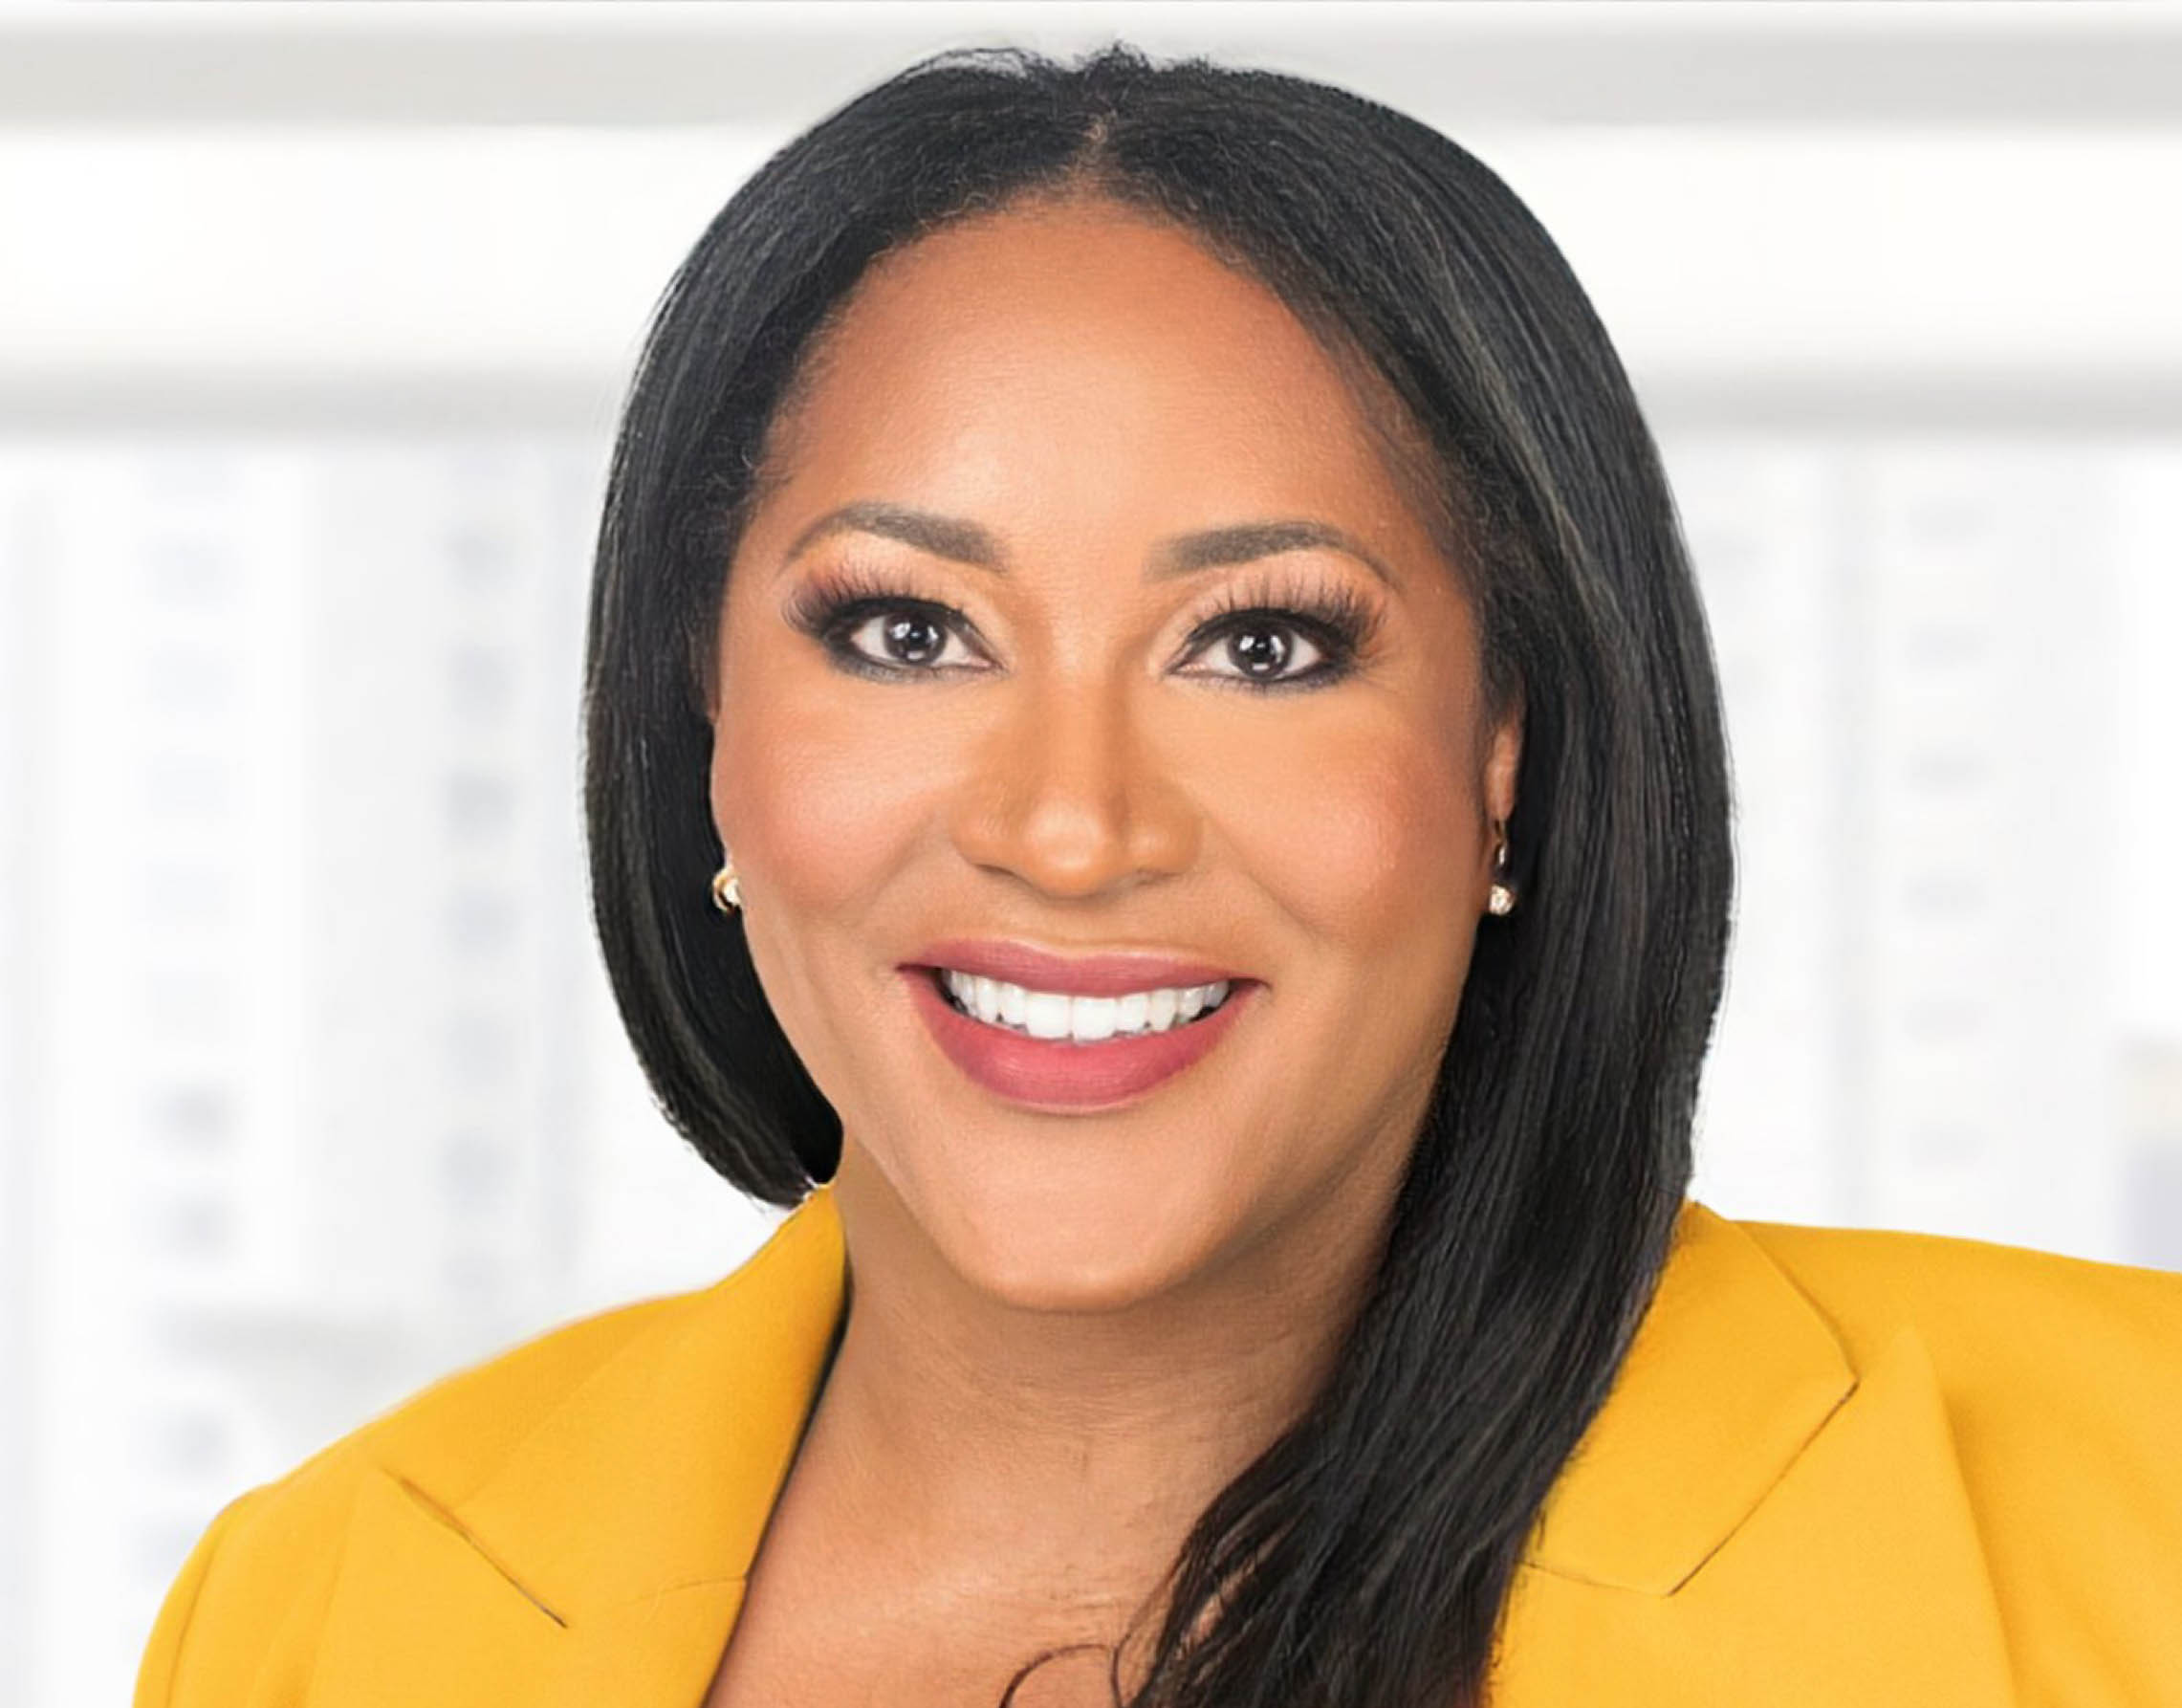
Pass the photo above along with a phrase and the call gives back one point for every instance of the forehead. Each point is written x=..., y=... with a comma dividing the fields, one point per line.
x=1083, y=349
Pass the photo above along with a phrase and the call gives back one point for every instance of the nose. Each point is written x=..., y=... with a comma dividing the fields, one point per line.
x=1070, y=796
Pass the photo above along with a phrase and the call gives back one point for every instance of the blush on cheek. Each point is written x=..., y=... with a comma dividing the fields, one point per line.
x=825, y=795
x=1362, y=839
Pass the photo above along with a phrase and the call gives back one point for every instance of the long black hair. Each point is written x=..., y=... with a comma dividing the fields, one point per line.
x=1364, y=1558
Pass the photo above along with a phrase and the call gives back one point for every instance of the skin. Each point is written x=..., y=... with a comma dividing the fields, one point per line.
x=1069, y=1331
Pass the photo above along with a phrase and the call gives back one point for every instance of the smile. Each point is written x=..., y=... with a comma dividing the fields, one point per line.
x=1055, y=1014
x=1055, y=1051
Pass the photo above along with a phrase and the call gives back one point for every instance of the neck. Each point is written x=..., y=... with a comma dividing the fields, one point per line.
x=1058, y=1460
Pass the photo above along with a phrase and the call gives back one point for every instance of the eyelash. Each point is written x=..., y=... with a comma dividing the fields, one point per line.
x=1333, y=616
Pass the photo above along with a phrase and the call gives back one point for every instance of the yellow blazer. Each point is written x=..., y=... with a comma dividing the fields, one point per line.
x=1838, y=1467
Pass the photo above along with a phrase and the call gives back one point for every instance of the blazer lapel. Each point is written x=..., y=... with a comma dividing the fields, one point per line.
x=603, y=1559
x=425, y=1616
x=1750, y=1517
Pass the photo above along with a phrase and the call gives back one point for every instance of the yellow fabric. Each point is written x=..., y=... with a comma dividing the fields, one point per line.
x=1838, y=1467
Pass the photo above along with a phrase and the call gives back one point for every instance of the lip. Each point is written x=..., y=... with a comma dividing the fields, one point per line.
x=1059, y=1073
x=1110, y=975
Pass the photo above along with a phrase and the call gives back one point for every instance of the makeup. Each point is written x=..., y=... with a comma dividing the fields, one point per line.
x=1061, y=1073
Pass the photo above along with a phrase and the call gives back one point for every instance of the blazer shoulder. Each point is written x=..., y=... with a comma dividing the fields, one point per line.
x=2062, y=1382
x=1979, y=1304
x=237, y=1618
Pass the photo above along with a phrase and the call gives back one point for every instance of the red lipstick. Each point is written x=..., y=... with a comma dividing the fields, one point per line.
x=1060, y=1073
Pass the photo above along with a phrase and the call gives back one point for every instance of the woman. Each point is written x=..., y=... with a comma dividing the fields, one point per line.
x=1143, y=597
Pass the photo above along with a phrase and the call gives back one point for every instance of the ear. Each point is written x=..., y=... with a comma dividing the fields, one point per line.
x=1503, y=759
x=701, y=668
x=717, y=790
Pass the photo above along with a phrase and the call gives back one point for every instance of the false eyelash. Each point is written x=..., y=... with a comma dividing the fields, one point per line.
x=833, y=602
x=1341, y=621
x=830, y=605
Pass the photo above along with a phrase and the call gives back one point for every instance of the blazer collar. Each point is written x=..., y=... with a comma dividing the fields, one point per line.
x=610, y=1547
x=603, y=1559
x=1731, y=1376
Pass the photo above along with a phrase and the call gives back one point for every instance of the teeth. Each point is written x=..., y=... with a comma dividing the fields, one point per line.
x=1045, y=1015
x=1085, y=1019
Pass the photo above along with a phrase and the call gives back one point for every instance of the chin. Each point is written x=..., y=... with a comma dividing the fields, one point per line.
x=1096, y=1278
x=1059, y=1243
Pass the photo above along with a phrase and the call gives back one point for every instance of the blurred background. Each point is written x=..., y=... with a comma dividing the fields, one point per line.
x=313, y=325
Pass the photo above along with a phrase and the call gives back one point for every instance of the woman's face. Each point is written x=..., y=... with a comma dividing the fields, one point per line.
x=1076, y=440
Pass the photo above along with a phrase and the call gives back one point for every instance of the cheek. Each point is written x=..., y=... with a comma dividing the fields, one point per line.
x=1353, y=824
x=817, y=785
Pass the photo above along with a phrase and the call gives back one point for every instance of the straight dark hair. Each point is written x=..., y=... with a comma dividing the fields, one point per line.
x=1364, y=1559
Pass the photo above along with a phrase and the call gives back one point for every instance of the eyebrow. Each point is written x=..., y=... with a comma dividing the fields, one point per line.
x=964, y=541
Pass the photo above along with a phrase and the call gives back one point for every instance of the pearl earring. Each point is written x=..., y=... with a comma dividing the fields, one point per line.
x=1500, y=899
x=727, y=888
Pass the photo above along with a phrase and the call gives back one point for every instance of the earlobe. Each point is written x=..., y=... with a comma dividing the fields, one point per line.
x=1501, y=767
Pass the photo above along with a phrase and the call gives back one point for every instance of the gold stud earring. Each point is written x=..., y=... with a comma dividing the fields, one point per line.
x=727, y=888
x=1500, y=899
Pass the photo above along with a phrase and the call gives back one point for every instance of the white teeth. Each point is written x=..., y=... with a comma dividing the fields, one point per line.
x=1091, y=1019
x=1086, y=1020
x=1045, y=1015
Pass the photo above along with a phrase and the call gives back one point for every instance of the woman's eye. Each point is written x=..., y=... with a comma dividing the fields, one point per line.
x=907, y=637
x=1266, y=649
